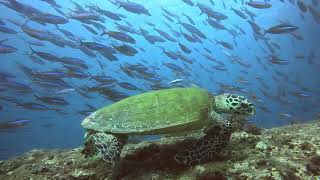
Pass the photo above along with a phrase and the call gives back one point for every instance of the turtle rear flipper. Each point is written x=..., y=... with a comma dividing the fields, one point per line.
x=215, y=139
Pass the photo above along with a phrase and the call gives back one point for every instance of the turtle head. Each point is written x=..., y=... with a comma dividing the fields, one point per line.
x=233, y=104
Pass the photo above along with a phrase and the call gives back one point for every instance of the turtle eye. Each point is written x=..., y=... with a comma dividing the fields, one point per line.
x=244, y=105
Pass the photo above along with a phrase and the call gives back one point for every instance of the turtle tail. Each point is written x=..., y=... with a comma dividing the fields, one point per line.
x=216, y=138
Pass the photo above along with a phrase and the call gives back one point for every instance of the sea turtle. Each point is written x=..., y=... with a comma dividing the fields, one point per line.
x=158, y=112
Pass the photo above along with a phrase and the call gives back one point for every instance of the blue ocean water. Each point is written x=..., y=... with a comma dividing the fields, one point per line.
x=284, y=92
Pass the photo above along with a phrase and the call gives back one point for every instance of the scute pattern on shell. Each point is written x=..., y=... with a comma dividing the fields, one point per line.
x=156, y=112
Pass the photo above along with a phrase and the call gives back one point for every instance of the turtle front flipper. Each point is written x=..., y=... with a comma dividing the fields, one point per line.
x=105, y=146
x=215, y=139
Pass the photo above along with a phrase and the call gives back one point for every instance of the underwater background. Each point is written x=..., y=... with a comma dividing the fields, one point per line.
x=56, y=67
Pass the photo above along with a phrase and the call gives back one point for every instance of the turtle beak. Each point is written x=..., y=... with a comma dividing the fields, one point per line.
x=86, y=134
x=253, y=112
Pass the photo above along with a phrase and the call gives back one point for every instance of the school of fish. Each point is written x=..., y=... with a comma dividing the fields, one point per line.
x=113, y=58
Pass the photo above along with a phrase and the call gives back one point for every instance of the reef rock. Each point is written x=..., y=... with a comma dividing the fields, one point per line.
x=288, y=152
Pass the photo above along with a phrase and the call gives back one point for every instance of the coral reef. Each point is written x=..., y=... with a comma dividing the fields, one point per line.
x=289, y=152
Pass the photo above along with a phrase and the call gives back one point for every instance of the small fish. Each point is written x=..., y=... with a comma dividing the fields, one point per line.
x=119, y=36
x=301, y=95
x=7, y=30
x=93, y=45
x=188, y=37
x=90, y=29
x=133, y=7
x=45, y=55
x=220, y=68
x=255, y=27
x=9, y=99
x=315, y=13
x=216, y=24
x=126, y=50
x=73, y=61
x=85, y=112
x=50, y=84
x=48, y=125
x=175, y=81
x=170, y=13
x=184, y=48
x=165, y=35
x=281, y=28
x=264, y=108
x=168, y=18
x=95, y=24
x=129, y=29
x=35, y=43
x=107, y=13
x=19, y=122
x=189, y=19
x=208, y=50
x=189, y=2
x=302, y=6
x=175, y=33
x=33, y=106
x=239, y=13
x=7, y=49
x=285, y=115
x=224, y=5
x=193, y=29
x=86, y=16
x=91, y=108
x=184, y=58
x=14, y=124
x=51, y=74
x=63, y=91
x=210, y=12
x=44, y=18
x=225, y=44
x=153, y=38
x=17, y=86
x=2, y=22
x=52, y=100
x=52, y=3
x=151, y=24
x=108, y=53
x=103, y=79
x=87, y=51
x=170, y=54
x=276, y=60
x=259, y=4
x=128, y=86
